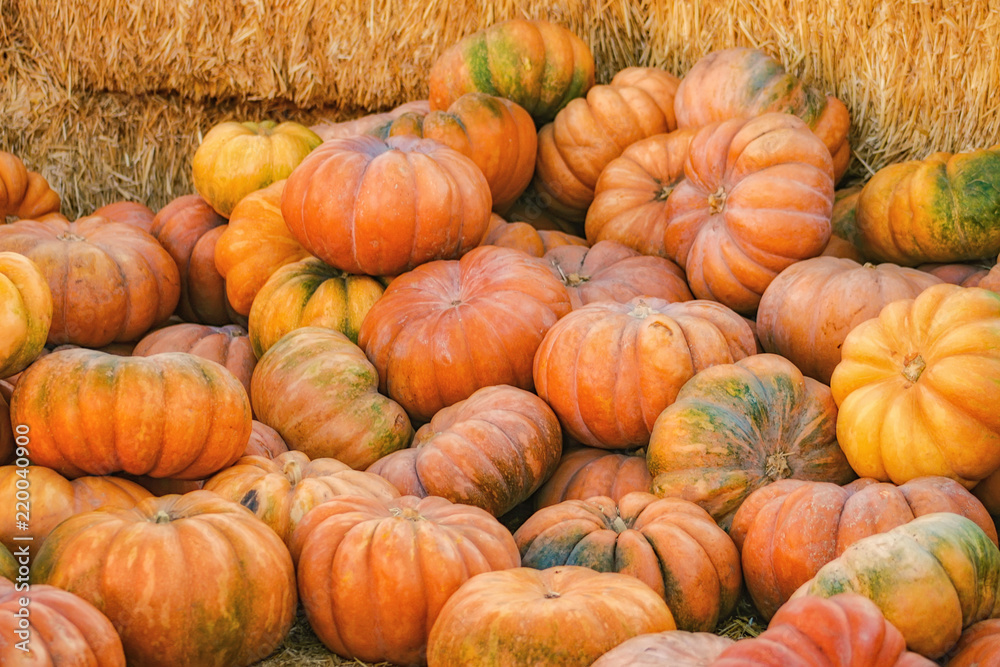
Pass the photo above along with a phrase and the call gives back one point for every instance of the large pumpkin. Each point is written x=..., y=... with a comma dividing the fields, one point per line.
x=536, y=64
x=235, y=159
x=186, y=580
x=109, y=281
x=608, y=369
x=807, y=311
x=254, y=244
x=592, y=131
x=380, y=208
x=23, y=193
x=631, y=197
x=522, y=617
x=310, y=293
x=170, y=415
x=671, y=545
x=448, y=328
x=756, y=197
x=495, y=133
x=917, y=388
x=741, y=83
x=737, y=427
x=931, y=577
x=319, y=392
x=25, y=313
x=585, y=472
x=788, y=530
x=282, y=490
x=491, y=450
x=380, y=603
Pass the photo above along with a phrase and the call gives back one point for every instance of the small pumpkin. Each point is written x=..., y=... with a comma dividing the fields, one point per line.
x=23, y=193
x=585, y=472
x=25, y=313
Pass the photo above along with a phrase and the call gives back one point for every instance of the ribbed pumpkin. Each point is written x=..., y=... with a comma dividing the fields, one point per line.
x=264, y=441
x=491, y=450
x=756, y=197
x=632, y=193
x=381, y=208
x=310, y=293
x=255, y=243
x=134, y=213
x=186, y=580
x=673, y=647
x=610, y=271
x=979, y=645
x=187, y=228
x=23, y=193
x=53, y=499
x=380, y=603
x=25, y=313
x=608, y=369
x=939, y=209
x=109, y=281
x=788, y=530
x=48, y=627
x=742, y=83
x=227, y=345
x=448, y=328
x=319, y=392
x=235, y=159
x=536, y=64
x=671, y=545
x=807, y=311
x=931, y=577
x=917, y=389
x=282, y=490
x=737, y=427
x=592, y=131
x=522, y=236
x=495, y=133
x=585, y=472
x=602, y=608
x=170, y=415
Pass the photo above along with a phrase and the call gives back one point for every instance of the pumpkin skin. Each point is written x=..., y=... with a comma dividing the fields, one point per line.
x=23, y=193
x=590, y=132
x=522, y=236
x=109, y=281
x=964, y=274
x=255, y=243
x=186, y=228
x=611, y=271
x=671, y=545
x=380, y=208
x=846, y=629
x=844, y=224
x=807, y=311
x=756, y=197
x=368, y=122
x=319, y=392
x=63, y=630
x=448, y=328
x=603, y=608
x=170, y=415
x=495, y=133
x=632, y=193
x=979, y=645
x=281, y=491
x=735, y=428
x=491, y=450
x=931, y=577
x=673, y=647
x=7, y=444
x=8, y=564
x=788, y=530
x=25, y=315
x=227, y=345
x=742, y=82
x=586, y=472
x=264, y=441
x=379, y=604
x=917, y=390
x=134, y=213
x=608, y=369
x=235, y=159
x=940, y=209
x=538, y=65
x=310, y=293
x=217, y=585
x=54, y=499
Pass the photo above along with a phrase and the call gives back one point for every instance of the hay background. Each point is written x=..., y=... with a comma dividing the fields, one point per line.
x=109, y=98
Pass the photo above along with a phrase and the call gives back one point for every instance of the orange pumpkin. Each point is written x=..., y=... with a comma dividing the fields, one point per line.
x=979, y=645
x=673, y=647
x=366, y=123
x=23, y=193
x=585, y=472
x=26, y=313
x=134, y=213
x=522, y=236
x=264, y=441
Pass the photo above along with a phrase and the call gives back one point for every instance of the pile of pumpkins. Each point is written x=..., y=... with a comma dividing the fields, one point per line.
x=638, y=313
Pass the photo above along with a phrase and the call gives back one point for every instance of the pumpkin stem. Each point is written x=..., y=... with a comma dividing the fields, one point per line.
x=551, y=594
x=408, y=513
x=619, y=524
x=641, y=311
x=913, y=367
x=161, y=517
x=664, y=192
x=575, y=279
x=776, y=467
x=70, y=236
x=293, y=472
x=717, y=200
